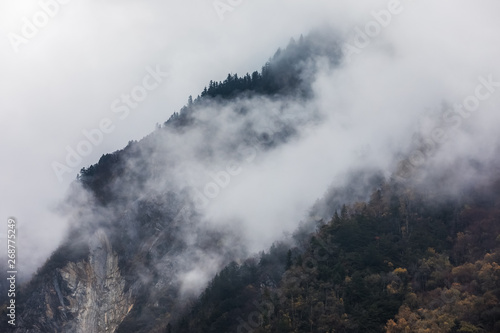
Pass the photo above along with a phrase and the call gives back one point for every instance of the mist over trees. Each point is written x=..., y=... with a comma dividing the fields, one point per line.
x=401, y=261
x=374, y=253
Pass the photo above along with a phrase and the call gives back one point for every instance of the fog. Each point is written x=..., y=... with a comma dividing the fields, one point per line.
x=365, y=111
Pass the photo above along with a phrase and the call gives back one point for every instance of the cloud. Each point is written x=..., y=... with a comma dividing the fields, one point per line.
x=64, y=80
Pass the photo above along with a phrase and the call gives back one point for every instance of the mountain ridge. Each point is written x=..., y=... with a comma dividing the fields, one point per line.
x=144, y=254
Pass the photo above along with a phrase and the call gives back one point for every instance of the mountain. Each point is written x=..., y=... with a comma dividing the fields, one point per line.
x=151, y=248
x=136, y=231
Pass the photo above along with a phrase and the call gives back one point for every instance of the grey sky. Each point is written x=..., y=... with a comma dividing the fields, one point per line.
x=64, y=79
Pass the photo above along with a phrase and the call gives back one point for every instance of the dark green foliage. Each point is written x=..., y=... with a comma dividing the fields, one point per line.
x=355, y=272
x=283, y=74
x=287, y=73
x=230, y=295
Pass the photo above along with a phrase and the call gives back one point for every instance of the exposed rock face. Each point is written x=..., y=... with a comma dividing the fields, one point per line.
x=130, y=276
x=82, y=297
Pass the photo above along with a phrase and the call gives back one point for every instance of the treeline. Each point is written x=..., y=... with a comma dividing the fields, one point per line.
x=289, y=72
x=285, y=72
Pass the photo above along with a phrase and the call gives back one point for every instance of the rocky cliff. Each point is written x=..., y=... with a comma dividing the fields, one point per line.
x=84, y=296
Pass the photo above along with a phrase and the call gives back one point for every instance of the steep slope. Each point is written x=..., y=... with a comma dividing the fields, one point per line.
x=138, y=250
x=376, y=254
x=82, y=296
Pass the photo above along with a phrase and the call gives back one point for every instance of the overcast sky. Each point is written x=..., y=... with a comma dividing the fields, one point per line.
x=63, y=77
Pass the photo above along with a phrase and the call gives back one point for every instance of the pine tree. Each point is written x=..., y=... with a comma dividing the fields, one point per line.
x=343, y=213
x=289, y=262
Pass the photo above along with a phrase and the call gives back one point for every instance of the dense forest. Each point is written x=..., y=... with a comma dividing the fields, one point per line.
x=404, y=261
